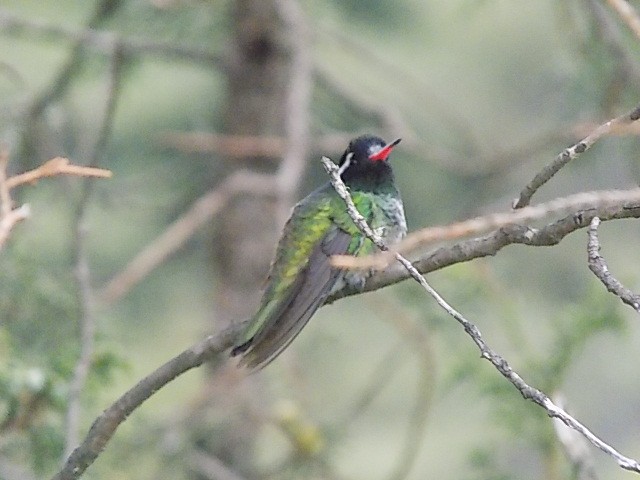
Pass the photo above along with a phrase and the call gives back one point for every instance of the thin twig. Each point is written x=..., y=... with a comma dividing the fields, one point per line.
x=10, y=220
x=9, y=216
x=528, y=392
x=571, y=153
x=571, y=204
x=599, y=267
x=56, y=166
x=87, y=333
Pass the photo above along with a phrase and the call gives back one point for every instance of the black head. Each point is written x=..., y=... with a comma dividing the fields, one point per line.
x=364, y=162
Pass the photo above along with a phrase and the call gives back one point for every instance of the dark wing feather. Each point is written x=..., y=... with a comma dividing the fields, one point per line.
x=308, y=293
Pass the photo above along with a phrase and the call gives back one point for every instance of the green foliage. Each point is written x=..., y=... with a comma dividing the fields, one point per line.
x=38, y=306
x=32, y=401
x=38, y=353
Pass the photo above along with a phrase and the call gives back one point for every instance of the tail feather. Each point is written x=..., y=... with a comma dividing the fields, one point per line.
x=309, y=292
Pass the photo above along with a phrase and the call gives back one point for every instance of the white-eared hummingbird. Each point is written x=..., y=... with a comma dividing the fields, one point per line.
x=301, y=276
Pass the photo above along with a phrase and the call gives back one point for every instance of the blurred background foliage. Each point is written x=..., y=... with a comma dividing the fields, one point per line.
x=378, y=386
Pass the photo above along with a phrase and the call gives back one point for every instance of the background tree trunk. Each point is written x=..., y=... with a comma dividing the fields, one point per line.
x=245, y=235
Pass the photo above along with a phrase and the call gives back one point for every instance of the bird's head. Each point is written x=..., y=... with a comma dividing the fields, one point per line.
x=366, y=156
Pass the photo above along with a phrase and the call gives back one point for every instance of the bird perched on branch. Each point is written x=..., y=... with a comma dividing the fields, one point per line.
x=301, y=276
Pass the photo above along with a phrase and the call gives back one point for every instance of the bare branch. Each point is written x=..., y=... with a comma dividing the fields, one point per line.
x=492, y=243
x=528, y=392
x=87, y=333
x=176, y=234
x=599, y=267
x=105, y=426
x=570, y=205
x=56, y=166
x=8, y=221
x=9, y=216
x=571, y=153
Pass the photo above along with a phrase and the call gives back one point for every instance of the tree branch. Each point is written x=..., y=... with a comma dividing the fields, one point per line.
x=492, y=243
x=571, y=153
x=599, y=267
x=571, y=205
x=56, y=166
x=10, y=216
x=107, y=423
x=527, y=391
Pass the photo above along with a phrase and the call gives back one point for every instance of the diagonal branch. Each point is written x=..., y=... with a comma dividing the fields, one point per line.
x=571, y=153
x=527, y=391
x=105, y=426
x=9, y=216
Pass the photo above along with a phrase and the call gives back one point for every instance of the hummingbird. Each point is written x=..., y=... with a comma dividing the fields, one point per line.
x=301, y=277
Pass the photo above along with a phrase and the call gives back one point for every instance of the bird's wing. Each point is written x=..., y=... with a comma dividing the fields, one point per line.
x=286, y=317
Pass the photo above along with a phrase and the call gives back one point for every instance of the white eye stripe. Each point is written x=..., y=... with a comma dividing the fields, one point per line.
x=345, y=165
